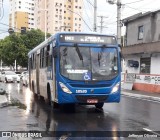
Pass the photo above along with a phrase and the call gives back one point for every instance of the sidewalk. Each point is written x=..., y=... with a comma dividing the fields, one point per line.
x=141, y=94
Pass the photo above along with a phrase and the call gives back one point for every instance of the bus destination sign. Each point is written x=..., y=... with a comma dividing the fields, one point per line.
x=67, y=38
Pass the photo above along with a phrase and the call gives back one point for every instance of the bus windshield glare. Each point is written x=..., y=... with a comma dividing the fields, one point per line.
x=88, y=63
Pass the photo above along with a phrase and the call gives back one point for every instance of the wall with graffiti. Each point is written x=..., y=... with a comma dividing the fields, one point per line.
x=149, y=83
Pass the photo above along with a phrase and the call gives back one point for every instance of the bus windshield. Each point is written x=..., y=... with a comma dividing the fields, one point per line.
x=88, y=63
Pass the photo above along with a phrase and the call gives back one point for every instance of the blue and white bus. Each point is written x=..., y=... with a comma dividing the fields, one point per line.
x=70, y=68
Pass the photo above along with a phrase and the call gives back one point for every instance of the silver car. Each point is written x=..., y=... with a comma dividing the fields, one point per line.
x=9, y=76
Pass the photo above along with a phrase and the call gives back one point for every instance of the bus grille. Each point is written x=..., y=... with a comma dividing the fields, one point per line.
x=100, y=98
x=90, y=86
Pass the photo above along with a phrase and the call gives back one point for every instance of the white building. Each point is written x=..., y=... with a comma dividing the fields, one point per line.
x=61, y=15
x=21, y=14
x=142, y=50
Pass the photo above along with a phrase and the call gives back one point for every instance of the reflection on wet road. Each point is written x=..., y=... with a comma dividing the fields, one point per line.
x=129, y=115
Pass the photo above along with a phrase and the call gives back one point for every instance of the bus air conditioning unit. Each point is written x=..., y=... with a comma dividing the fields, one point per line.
x=133, y=63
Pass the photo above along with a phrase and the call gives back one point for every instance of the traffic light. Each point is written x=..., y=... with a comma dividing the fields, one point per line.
x=23, y=30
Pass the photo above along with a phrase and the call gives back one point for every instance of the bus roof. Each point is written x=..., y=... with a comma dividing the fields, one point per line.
x=60, y=33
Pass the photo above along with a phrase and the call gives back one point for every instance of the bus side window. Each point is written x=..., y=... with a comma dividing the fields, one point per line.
x=55, y=52
x=48, y=55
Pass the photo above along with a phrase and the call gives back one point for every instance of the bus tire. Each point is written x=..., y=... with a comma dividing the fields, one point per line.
x=55, y=105
x=35, y=95
x=33, y=88
x=99, y=105
x=49, y=95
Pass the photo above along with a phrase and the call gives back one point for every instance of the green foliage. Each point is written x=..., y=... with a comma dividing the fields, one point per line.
x=16, y=47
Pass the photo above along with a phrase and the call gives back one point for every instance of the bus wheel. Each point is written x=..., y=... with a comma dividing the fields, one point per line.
x=49, y=95
x=99, y=105
x=55, y=105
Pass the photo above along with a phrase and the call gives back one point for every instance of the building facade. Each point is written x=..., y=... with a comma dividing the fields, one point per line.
x=21, y=15
x=142, y=50
x=58, y=15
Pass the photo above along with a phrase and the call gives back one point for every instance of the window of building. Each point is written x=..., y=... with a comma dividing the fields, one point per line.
x=69, y=30
x=76, y=6
x=145, y=64
x=69, y=6
x=60, y=17
x=140, y=32
x=76, y=0
x=79, y=7
x=64, y=11
x=69, y=18
x=79, y=19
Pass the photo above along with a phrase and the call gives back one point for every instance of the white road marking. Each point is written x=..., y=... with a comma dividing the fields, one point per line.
x=140, y=98
x=149, y=130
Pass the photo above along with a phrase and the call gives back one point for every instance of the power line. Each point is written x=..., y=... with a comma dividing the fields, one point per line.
x=4, y=32
x=90, y=3
x=9, y=26
x=2, y=15
x=135, y=9
x=81, y=18
x=86, y=10
x=134, y=2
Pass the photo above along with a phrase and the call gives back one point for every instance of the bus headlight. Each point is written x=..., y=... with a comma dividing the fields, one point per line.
x=115, y=88
x=64, y=88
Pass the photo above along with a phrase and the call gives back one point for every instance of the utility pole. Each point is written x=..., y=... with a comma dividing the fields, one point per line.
x=45, y=20
x=101, y=27
x=119, y=4
x=95, y=16
x=119, y=21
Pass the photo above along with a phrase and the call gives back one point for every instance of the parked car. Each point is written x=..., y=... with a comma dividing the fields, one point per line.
x=23, y=73
x=25, y=79
x=18, y=73
x=9, y=76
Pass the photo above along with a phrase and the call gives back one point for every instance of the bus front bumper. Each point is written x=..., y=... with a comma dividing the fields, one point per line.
x=83, y=98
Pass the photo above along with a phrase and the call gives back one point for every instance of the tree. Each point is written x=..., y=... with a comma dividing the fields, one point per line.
x=16, y=47
x=33, y=38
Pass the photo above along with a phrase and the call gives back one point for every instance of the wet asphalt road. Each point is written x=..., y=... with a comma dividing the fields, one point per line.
x=128, y=115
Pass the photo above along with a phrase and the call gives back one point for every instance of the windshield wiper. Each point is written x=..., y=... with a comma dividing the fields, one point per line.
x=78, y=52
x=100, y=54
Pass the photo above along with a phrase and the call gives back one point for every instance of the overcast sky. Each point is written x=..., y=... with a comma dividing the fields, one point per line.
x=129, y=7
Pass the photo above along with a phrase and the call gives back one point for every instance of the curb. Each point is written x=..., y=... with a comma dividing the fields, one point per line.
x=141, y=96
x=3, y=101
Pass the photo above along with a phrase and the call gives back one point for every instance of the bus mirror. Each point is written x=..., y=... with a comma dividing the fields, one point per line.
x=55, y=52
x=119, y=45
